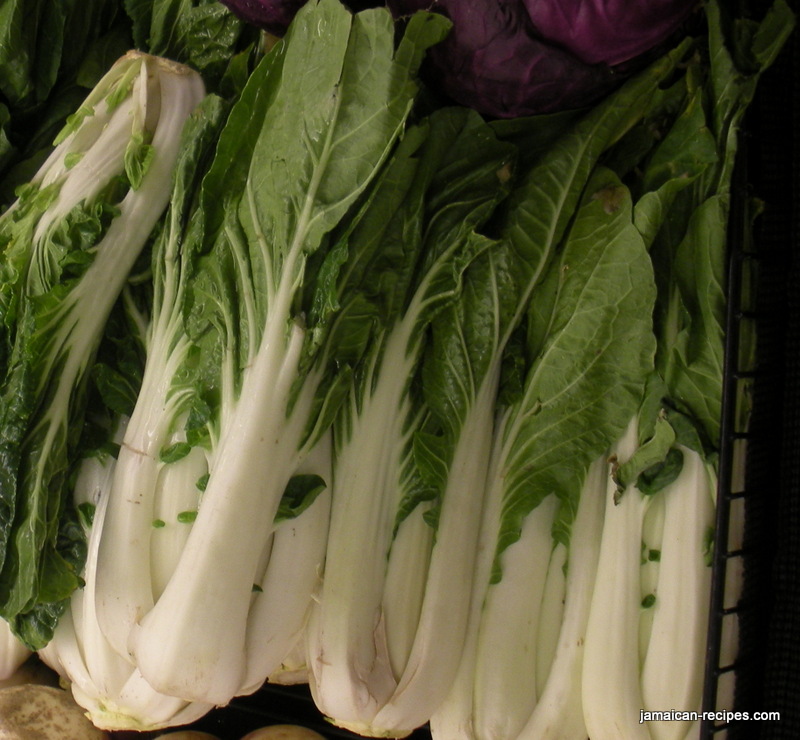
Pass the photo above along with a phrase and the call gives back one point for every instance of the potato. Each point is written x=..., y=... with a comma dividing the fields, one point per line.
x=187, y=735
x=32, y=711
x=283, y=732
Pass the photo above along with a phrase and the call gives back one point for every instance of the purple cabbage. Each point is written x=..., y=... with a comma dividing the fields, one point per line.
x=494, y=61
x=607, y=31
x=271, y=15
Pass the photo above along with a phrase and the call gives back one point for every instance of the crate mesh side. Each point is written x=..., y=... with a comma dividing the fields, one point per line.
x=779, y=113
x=767, y=669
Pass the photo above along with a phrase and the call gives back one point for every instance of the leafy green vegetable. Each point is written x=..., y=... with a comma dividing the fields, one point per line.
x=432, y=464
x=237, y=347
x=566, y=413
x=69, y=243
x=689, y=254
x=201, y=33
x=419, y=231
x=584, y=381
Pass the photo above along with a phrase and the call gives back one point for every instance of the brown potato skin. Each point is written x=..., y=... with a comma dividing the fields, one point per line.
x=34, y=710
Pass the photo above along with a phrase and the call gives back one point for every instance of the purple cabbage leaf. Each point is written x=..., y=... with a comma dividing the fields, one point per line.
x=493, y=61
x=271, y=15
x=607, y=31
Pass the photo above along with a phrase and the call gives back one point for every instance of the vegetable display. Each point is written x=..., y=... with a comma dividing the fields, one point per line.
x=384, y=356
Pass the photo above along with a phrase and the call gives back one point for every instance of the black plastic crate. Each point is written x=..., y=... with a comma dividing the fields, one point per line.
x=764, y=287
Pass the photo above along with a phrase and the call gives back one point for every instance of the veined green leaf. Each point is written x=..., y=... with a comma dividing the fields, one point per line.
x=587, y=378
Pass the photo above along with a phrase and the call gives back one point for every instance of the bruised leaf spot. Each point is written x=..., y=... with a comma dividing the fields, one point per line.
x=611, y=197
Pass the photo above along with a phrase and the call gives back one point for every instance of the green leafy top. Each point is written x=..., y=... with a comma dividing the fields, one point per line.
x=591, y=349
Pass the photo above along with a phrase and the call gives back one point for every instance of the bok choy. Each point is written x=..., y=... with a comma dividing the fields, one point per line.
x=666, y=489
x=610, y=620
x=69, y=242
x=364, y=643
x=235, y=386
x=104, y=682
x=375, y=659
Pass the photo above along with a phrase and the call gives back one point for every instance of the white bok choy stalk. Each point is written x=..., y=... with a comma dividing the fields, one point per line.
x=419, y=225
x=684, y=416
x=276, y=626
x=589, y=337
x=611, y=691
x=110, y=689
x=558, y=712
x=282, y=177
x=679, y=613
x=69, y=243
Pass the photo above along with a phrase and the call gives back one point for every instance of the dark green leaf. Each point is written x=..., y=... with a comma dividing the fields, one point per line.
x=656, y=477
x=175, y=452
x=300, y=493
